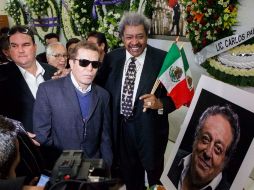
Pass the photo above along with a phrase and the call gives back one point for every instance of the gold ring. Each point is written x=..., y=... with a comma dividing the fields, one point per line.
x=149, y=103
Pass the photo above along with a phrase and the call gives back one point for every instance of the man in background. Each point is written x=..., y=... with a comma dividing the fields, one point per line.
x=19, y=80
x=48, y=39
x=57, y=55
x=100, y=40
x=4, y=50
x=216, y=138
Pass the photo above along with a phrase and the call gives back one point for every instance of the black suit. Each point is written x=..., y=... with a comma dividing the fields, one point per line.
x=42, y=57
x=175, y=171
x=141, y=141
x=16, y=99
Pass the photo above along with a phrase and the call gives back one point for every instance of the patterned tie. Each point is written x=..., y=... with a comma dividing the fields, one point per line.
x=128, y=88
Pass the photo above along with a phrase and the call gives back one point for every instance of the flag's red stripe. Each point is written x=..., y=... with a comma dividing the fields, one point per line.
x=181, y=94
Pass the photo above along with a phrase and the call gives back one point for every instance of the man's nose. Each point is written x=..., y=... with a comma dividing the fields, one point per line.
x=134, y=40
x=208, y=152
x=20, y=49
x=89, y=67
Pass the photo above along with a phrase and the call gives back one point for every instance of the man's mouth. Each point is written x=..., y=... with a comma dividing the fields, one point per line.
x=203, y=164
x=135, y=48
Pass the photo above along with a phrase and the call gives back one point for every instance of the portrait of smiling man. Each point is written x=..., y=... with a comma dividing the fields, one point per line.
x=216, y=138
x=79, y=118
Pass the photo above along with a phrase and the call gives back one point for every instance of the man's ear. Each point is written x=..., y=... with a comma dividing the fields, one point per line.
x=102, y=46
x=6, y=52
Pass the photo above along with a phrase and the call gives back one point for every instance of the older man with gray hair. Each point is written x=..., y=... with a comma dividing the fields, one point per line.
x=57, y=55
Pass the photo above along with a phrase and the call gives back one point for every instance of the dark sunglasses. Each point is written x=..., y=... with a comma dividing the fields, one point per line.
x=85, y=63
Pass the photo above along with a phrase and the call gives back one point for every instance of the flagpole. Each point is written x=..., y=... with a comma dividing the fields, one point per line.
x=157, y=82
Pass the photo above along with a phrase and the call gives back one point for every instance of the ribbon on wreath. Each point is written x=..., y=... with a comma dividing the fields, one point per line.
x=46, y=22
x=101, y=2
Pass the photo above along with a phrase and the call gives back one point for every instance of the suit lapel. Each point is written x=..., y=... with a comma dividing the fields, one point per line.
x=148, y=75
x=94, y=102
x=118, y=78
x=20, y=82
x=69, y=89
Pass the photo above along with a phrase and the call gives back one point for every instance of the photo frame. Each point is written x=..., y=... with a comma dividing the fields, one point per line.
x=167, y=19
x=212, y=92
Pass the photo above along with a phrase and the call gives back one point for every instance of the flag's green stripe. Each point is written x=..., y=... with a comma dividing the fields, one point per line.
x=172, y=55
x=185, y=61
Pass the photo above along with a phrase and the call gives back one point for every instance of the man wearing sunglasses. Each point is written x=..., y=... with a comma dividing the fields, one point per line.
x=72, y=112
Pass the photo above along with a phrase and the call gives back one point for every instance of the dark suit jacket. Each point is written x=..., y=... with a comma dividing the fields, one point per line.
x=58, y=119
x=16, y=99
x=176, y=170
x=42, y=57
x=151, y=129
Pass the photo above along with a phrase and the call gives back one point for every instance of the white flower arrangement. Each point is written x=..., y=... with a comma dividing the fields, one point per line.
x=234, y=66
x=231, y=70
x=38, y=7
x=51, y=11
x=81, y=13
x=109, y=26
x=15, y=10
x=67, y=21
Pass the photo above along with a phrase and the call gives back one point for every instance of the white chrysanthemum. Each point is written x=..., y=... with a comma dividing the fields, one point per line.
x=116, y=34
x=111, y=27
x=110, y=31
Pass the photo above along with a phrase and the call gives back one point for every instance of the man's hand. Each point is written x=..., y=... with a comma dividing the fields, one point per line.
x=151, y=102
x=61, y=73
x=32, y=136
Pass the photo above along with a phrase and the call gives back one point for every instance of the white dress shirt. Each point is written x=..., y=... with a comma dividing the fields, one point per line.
x=75, y=83
x=139, y=67
x=32, y=81
x=186, y=161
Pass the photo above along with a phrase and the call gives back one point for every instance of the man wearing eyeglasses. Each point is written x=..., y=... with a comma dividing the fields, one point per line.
x=72, y=112
x=57, y=55
x=20, y=79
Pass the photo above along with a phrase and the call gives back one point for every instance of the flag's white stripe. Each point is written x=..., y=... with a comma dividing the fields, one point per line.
x=166, y=79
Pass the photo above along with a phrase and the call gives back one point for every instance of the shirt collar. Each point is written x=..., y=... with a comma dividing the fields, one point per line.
x=186, y=165
x=75, y=83
x=39, y=70
x=140, y=59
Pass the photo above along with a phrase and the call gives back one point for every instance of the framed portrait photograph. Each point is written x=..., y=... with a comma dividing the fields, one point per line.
x=214, y=148
x=167, y=19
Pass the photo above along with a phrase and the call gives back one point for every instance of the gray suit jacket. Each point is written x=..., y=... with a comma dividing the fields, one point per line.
x=58, y=120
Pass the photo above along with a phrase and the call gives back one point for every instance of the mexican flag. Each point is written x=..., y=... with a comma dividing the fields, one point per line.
x=176, y=77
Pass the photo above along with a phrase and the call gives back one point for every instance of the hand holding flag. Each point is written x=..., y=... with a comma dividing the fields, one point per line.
x=176, y=77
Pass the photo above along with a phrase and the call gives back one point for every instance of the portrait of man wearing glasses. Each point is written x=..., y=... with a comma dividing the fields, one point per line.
x=72, y=112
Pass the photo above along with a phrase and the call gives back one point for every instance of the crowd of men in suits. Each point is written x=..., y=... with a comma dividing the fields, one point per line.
x=85, y=106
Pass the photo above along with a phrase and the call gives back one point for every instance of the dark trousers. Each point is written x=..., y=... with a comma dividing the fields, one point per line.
x=131, y=166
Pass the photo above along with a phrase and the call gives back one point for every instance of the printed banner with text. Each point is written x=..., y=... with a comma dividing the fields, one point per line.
x=222, y=45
